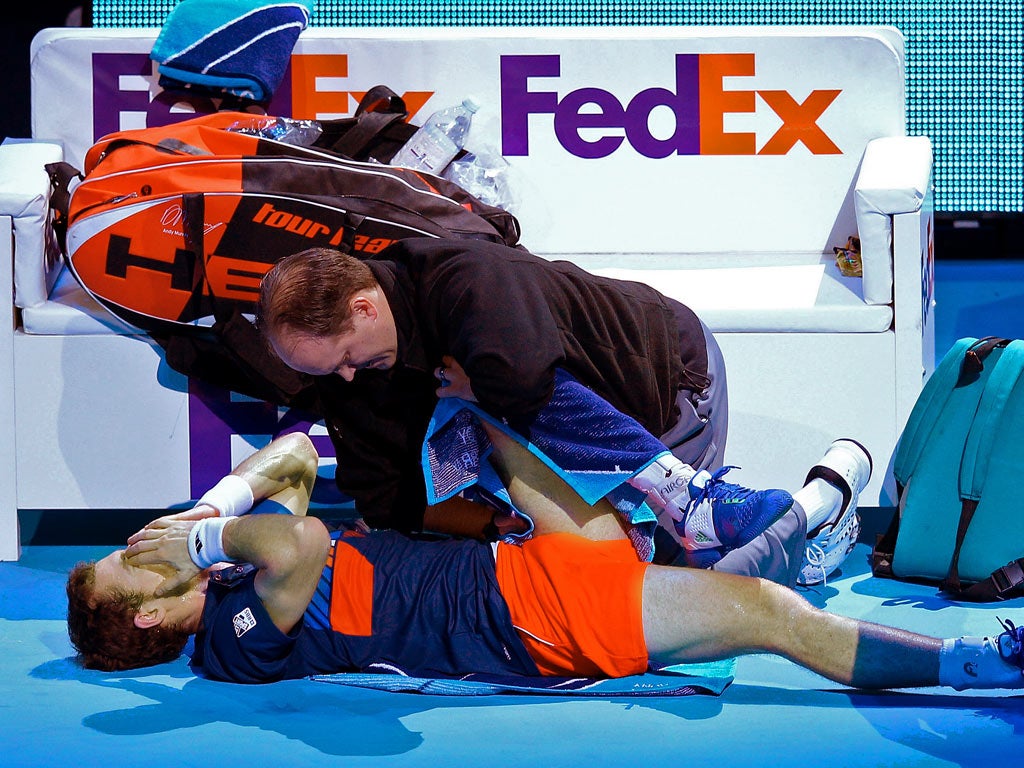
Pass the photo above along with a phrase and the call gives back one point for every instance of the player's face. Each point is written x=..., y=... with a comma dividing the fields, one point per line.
x=115, y=572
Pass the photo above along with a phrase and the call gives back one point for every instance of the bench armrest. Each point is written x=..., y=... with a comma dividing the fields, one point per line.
x=24, y=196
x=894, y=178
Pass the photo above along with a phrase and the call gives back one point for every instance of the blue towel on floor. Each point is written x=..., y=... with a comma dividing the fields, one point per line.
x=594, y=448
x=236, y=47
x=678, y=680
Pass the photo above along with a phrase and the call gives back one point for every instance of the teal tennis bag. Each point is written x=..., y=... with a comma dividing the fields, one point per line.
x=959, y=469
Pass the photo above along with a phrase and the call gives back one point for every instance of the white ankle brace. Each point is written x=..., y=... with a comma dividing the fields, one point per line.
x=974, y=662
x=665, y=482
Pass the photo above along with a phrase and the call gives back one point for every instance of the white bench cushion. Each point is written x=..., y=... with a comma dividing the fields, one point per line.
x=813, y=298
x=747, y=295
x=71, y=311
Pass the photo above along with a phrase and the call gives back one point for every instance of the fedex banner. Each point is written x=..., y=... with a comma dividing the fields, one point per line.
x=640, y=140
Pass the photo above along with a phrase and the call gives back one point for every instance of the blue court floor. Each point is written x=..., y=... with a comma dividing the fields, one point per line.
x=53, y=713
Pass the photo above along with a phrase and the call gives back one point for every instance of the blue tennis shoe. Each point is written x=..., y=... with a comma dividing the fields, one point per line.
x=1011, y=644
x=723, y=516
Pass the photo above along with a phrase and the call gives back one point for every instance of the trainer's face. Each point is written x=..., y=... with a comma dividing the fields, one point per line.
x=372, y=343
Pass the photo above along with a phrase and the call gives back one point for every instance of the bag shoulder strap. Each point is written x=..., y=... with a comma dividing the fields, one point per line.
x=63, y=177
x=975, y=462
x=364, y=130
x=379, y=110
x=1003, y=583
x=925, y=414
x=885, y=548
x=984, y=429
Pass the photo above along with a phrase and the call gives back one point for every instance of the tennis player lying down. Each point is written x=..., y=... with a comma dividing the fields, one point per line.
x=272, y=596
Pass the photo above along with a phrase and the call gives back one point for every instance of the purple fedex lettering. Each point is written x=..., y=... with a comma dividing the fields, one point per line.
x=518, y=103
x=113, y=76
x=570, y=119
x=684, y=104
x=699, y=106
x=214, y=417
x=112, y=72
x=109, y=99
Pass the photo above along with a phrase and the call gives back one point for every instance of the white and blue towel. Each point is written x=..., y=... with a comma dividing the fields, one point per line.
x=236, y=47
x=711, y=678
x=593, y=447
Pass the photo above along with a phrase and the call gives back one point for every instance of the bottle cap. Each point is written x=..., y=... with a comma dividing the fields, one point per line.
x=470, y=104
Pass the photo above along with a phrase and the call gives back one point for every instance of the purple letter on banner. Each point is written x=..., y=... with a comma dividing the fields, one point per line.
x=108, y=100
x=569, y=119
x=685, y=105
x=517, y=103
x=213, y=418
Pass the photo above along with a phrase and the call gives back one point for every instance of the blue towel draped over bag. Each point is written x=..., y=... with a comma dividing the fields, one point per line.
x=229, y=47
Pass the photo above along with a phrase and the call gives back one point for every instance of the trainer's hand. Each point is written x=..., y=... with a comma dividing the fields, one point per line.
x=454, y=380
x=164, y=542
x=506, y=524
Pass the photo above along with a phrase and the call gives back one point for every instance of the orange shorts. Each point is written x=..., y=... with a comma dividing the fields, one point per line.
x=576, y=604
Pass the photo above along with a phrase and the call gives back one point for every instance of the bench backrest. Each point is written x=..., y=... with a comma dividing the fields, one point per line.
x=637, y=140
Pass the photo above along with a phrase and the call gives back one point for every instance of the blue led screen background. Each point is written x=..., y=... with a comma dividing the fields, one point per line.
x=965, y=63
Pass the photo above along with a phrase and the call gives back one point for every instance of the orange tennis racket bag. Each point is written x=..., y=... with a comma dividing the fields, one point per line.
x=171, y=227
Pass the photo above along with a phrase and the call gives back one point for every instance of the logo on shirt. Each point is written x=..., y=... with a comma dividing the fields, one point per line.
x=243, y=622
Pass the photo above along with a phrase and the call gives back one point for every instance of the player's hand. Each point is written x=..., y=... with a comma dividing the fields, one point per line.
x=164, y=543
x=198, y=512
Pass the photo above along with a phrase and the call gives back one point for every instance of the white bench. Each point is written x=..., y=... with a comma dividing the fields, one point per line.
x=720, y=164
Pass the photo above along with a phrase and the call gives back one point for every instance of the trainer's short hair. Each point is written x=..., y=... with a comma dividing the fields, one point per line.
x=310, y=292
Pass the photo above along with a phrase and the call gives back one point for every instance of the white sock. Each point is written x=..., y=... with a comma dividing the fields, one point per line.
x=974, y=662
x=821, y=501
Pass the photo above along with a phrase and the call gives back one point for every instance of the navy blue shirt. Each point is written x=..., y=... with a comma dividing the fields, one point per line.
x=425, y=608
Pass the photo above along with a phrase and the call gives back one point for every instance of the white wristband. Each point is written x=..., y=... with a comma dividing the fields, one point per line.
x=206, y=542
x=231, y=497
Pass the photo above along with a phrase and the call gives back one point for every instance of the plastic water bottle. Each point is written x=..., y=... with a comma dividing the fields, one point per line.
x=438, y=140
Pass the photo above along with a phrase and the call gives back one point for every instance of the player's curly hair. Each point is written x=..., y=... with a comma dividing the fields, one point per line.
x=102, y=627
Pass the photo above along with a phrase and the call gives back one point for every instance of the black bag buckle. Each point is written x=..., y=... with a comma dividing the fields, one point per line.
x=1009, y=576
